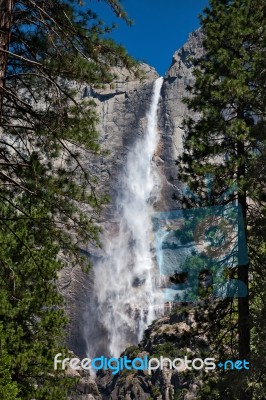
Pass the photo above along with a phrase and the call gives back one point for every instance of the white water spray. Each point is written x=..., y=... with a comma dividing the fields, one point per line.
x=124, y=281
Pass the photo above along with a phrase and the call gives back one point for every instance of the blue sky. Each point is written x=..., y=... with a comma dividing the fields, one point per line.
x=160, y=27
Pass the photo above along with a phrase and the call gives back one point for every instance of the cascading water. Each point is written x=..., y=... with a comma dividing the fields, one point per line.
x=124, y=281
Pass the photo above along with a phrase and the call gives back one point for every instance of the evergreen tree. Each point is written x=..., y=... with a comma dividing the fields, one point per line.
x=49, y=204
x=228, y=140
x=31, y=309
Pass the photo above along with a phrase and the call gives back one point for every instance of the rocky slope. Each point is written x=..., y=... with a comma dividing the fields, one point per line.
x=171, y=336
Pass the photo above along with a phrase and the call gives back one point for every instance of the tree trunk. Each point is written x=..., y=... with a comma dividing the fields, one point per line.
x=243, y=302
x=6, y=10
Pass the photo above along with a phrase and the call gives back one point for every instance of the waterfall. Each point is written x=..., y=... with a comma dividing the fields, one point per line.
x=124, y=281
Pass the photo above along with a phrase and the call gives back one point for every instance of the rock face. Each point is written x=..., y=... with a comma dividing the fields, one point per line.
x=122, y=108
x=173, y=111
x=86, y=388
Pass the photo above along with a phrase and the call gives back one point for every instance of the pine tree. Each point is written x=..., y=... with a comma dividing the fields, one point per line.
x=31, y=309
x=49, y=203
x=229, y=95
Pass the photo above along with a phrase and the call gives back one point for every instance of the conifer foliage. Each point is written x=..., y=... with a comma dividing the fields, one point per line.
x=48, y=201
x=227, y=141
